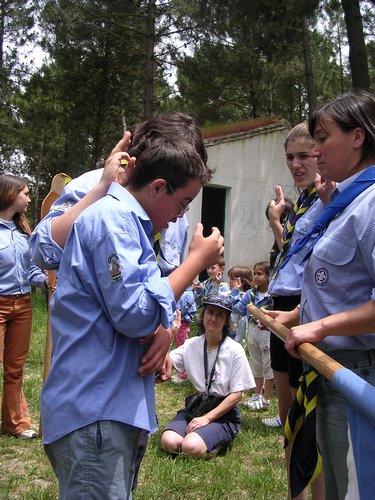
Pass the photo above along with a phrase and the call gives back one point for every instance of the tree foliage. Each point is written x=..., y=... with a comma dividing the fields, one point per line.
x=110, y=63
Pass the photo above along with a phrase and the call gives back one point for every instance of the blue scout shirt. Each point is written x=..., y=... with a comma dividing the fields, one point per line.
x=47, y=254
x=289, y=279
x=252, y=296
x=340, y=273
x=17, y=271
x=210, y=287
x=187, y=305
x=110, y=294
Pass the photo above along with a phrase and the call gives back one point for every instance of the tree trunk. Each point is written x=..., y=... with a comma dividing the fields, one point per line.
x=357, y=47
x=101, y=105
x=37, y=170
x=149, y=61
x=2, y=28
x=310, y=82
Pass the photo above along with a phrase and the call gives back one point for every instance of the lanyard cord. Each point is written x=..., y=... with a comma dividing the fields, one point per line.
x=209, y=380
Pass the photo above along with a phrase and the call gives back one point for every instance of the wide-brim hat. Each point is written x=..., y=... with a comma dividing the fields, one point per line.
x=219, y=300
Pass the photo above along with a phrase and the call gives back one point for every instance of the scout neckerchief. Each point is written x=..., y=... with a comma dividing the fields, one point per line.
x=304, y=202
x=335, y=207
x=157, y=245
x=211, y=287
x=305, y=461
x=208, y=378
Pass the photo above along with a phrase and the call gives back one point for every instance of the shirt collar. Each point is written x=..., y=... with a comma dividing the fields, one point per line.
x=344, y=184
x=122, y=194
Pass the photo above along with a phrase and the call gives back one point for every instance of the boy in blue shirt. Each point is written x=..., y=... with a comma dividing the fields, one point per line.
x=212, y=285
x=100, y=390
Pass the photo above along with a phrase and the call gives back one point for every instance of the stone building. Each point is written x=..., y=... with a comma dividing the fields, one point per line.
x=248, y=164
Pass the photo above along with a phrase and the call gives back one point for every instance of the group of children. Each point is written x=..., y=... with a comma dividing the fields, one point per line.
x=245, y=286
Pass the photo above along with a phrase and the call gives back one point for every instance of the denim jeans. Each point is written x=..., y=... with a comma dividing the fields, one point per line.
x=95, y=462
x=332, y=422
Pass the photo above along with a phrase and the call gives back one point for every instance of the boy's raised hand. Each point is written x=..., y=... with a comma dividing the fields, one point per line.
x=203, y=253
x=206, y=251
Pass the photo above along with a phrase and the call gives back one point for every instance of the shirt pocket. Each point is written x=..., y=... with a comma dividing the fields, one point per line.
x=333, y=269
x=4, y=243
x=6, y=253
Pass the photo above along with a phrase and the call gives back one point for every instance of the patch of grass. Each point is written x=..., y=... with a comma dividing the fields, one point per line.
x=252, y=469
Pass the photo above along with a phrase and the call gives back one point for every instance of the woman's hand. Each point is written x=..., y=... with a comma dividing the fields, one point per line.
x=276, y=207
x=197, y=423
x=324, y=188
x=275, y=211
x=286, y=318
x=309, y=332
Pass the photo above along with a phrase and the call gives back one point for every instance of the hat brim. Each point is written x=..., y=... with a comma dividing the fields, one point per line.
x=216, y=304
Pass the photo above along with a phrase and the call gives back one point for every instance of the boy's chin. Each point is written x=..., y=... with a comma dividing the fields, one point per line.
x=157, y=229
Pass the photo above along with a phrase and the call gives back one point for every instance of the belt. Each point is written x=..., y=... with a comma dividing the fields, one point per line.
x=17, y=296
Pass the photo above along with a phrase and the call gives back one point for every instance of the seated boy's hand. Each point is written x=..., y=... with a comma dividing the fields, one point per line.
x=153, y=360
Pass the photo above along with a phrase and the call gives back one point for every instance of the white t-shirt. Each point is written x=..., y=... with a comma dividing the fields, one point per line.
x=232, y=369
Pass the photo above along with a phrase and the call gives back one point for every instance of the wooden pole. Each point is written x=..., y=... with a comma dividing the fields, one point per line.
x=308, y=352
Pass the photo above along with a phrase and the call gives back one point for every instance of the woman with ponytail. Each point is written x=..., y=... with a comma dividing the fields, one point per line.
x=17, y=275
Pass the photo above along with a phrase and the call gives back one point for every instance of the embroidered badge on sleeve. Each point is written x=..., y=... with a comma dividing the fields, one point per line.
x=114, y=267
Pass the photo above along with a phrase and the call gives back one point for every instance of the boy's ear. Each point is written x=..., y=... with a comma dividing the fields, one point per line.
x=156, y=186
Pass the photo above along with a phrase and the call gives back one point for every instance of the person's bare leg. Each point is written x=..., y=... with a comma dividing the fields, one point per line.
x=194, y=446
x=171, y=442
x=268, y=386
x=258, y=385
x=283, y=394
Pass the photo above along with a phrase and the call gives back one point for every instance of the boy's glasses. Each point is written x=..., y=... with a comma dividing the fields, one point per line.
x=183, y=209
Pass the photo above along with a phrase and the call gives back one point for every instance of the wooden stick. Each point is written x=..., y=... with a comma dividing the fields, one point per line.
x=308, y=352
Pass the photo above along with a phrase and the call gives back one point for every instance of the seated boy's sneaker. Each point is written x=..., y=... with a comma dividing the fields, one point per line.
x=272, y=422
x=178, y=380
x=257, y=402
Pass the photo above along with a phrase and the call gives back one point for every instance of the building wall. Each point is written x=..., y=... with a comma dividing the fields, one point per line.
x=248, y=165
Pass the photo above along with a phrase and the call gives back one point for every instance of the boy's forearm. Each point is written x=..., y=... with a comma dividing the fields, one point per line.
x=182, y=277
x=277, y=230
